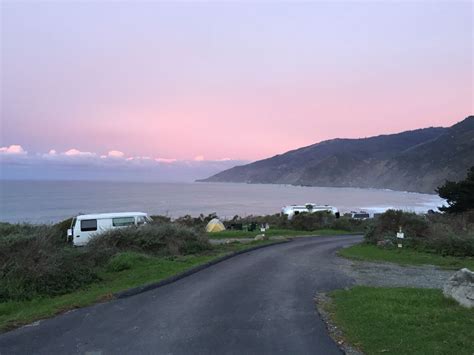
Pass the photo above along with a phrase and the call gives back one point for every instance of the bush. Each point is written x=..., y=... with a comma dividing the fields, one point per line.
x=350, y=224
x=163, y=239
x=194, y=222
x=303, y=221
x=444, y=234
x=158, y=219
x=8, y=229
x=33, y=265
x=56, y=233
x=37, y=261
x=388, y=224
x=312, y=221
x=275, y=221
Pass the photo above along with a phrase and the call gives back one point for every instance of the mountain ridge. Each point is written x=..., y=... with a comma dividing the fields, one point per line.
x=416, y=160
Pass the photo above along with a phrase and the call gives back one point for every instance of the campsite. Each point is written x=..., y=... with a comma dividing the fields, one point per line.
x=236, y=177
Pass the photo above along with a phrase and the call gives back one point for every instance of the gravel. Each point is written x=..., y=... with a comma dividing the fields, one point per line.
x=384, y=274
x=378, y=274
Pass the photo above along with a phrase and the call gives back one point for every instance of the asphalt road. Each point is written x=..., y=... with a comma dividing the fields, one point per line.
x=260, y=302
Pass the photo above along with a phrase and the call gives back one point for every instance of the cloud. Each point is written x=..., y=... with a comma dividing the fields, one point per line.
x=165, y=160
x=52, y=154
x=116, y=154
x=13, y=149
x=114, y=165
x=140, y=160
x=77, y=153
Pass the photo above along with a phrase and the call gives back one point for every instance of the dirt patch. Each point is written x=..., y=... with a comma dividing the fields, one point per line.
x=393, y=275
x=378, y=274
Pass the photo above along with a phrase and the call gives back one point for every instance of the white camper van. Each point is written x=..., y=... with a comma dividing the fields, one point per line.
x=85, y=226
x=292, y=210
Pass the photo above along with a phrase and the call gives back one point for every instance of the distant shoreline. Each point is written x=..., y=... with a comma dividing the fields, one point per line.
x=40, y=201
x=202, y=181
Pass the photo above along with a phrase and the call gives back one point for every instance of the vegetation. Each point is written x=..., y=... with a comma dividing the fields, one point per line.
x=405, y=256
x=41, y=275
x=459, y=195
x=443, y=234
x=199, y=222
x=320, y=223
x=156, y=239
x=275, y=233
x=37, y=261
x=402, y=321
x=123, y=271
x=308, y=222
x=34, y=262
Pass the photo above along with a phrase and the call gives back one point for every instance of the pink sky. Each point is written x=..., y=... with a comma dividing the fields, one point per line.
x=239, y=80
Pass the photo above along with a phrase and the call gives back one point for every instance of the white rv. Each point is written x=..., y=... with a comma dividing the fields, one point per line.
x=85, y=226
x=292, y=210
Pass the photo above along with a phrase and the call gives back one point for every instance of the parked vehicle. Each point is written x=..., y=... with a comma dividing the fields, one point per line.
x=292, y=210
x=84, y=227
x=359, y=215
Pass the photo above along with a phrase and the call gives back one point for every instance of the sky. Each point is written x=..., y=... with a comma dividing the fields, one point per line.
x=221, y=82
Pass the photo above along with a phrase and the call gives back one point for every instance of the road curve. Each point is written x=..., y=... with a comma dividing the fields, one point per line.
x=260, y=302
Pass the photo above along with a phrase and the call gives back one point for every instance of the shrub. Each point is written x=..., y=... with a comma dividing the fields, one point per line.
x=34, y=265
x=446, y=242
x=158, y=219
x=275, y=221
x=388, y=224
x=445, y=234
x=56, y=233
x=312, y=221
x=9, y=229
x=37, y=261
x=195, y=222
x=163, y=239
x=303, y=221
x=350, y=224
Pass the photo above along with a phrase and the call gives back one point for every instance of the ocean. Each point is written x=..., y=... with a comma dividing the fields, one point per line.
x=52, y=201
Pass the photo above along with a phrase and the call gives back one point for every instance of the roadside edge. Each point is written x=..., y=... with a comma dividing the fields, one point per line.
x=323, y=303
x=140, y=289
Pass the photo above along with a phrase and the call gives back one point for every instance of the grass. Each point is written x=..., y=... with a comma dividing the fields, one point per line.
x=402, y=321
x=405, y=256
x=276, y=233
x=129, y=270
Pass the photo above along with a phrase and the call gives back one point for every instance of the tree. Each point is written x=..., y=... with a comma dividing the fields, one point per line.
x=459, y=195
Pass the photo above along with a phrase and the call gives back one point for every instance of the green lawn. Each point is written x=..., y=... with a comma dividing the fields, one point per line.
x=405, y=256
x=276, y=233
x=402, y=321
x=142, y=270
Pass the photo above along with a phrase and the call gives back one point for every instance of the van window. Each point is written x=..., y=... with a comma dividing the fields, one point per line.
x=123, y=221
x=141, y=220
x=88, y=225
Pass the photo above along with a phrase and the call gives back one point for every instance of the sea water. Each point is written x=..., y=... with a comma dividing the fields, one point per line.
x=52, y=201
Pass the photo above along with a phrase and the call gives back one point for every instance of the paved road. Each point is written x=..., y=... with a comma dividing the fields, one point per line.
x=260, y=302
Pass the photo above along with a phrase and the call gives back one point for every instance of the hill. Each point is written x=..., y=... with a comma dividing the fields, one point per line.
x=418, y=160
